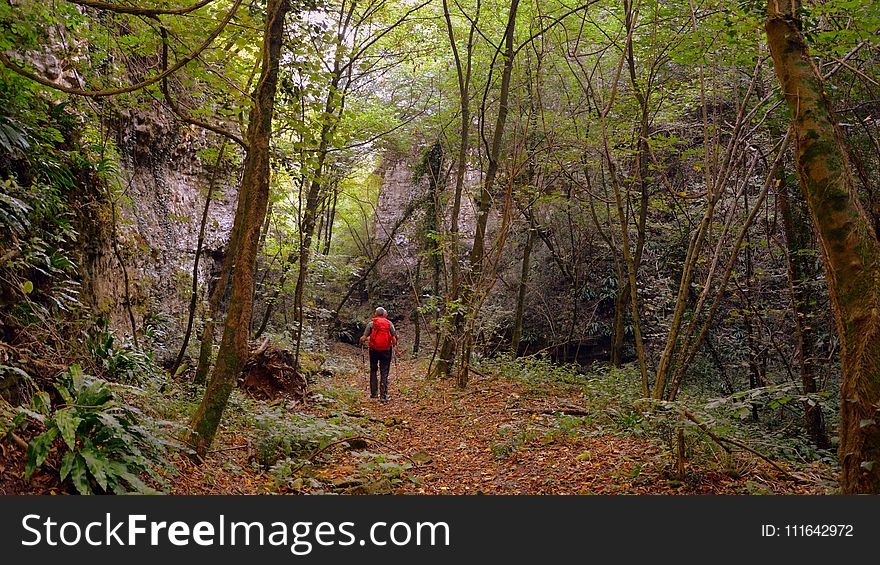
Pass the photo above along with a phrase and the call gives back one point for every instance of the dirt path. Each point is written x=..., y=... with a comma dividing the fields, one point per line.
x=501, y=437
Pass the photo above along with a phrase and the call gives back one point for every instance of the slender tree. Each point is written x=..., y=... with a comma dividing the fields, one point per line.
x=473, y=281
x=463, y=70
x=194, y=293
x=800, y=257
x=253, y=201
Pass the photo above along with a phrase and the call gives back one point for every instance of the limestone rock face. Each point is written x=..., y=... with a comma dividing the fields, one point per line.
x=398, y=191
x=401, y=186
x=58, y=59
x=158, y=205
x=164, y=184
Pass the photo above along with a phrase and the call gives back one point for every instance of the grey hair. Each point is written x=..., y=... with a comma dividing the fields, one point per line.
x=381, y=312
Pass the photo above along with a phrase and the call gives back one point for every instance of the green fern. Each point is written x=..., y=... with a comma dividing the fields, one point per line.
x=106, y=446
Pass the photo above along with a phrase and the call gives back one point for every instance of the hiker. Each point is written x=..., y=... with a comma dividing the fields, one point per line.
x=382, y=337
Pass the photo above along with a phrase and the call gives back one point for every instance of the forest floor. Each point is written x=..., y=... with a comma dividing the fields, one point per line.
x=500, y=436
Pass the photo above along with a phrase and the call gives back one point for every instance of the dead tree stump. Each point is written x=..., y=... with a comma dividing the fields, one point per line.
x=270, y=372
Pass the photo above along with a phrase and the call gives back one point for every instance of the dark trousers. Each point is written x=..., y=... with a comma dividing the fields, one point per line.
x=379, y=360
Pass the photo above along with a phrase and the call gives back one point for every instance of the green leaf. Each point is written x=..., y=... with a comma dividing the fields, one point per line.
x=38, y=450
x=97, y=465
x=27, y=287
x=122, y=471
x=42, y=403
x=79, y=476
x=16, y=421
x=95, y=393
x=67, y=422
x=65, y=394
x=36, y=416
x=66, y=464
x=76, y=375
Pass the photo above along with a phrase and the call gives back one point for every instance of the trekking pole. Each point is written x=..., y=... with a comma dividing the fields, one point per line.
x=364, y=368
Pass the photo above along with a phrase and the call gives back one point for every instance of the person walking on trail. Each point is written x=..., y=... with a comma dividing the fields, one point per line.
x=382, y=337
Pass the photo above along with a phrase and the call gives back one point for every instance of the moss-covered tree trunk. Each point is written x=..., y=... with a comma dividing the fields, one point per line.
x=206, y=347
x=253, y=200
x=849, y=247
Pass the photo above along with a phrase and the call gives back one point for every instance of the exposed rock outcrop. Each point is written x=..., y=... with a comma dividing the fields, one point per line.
x=164, y=185
x=401, y=186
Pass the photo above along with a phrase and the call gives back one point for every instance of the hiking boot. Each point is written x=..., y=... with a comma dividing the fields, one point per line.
x=385, y=398
x=374, y=396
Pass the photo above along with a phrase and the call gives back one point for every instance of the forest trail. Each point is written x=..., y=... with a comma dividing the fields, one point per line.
x=502, y=436
x=476, y=442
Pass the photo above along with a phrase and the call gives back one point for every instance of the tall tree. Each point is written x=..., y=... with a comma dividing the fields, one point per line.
x=473, y=284
x=850, y=248
x=463, y=69
x=253, y=200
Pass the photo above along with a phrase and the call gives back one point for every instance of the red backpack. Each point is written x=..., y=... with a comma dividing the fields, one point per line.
x=380, y=337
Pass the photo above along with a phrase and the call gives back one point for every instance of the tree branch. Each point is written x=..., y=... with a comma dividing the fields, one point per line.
x=17, y=68
x=179, y=112
x=135, y=11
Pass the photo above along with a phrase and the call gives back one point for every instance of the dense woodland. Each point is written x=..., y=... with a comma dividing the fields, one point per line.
x=629, y=247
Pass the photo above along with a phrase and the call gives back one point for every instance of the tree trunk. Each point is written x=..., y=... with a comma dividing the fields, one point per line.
x=206, y=346
x=521, y=293
x=621, y=305
x=253, y=200
x=331, y=217
x=473, y=280
x=850, y=249
x=640, y=167
x=801, y=271
x=463, y=71
x=416, y=316
x=756, y=377
x=194, y=296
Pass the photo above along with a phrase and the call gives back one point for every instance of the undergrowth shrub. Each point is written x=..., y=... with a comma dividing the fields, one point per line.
x=615, y=405
x=533, y=370
x=118, y=359
x=42, y=166
x=393, y=467
x=283, y=435
x=107, y=445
